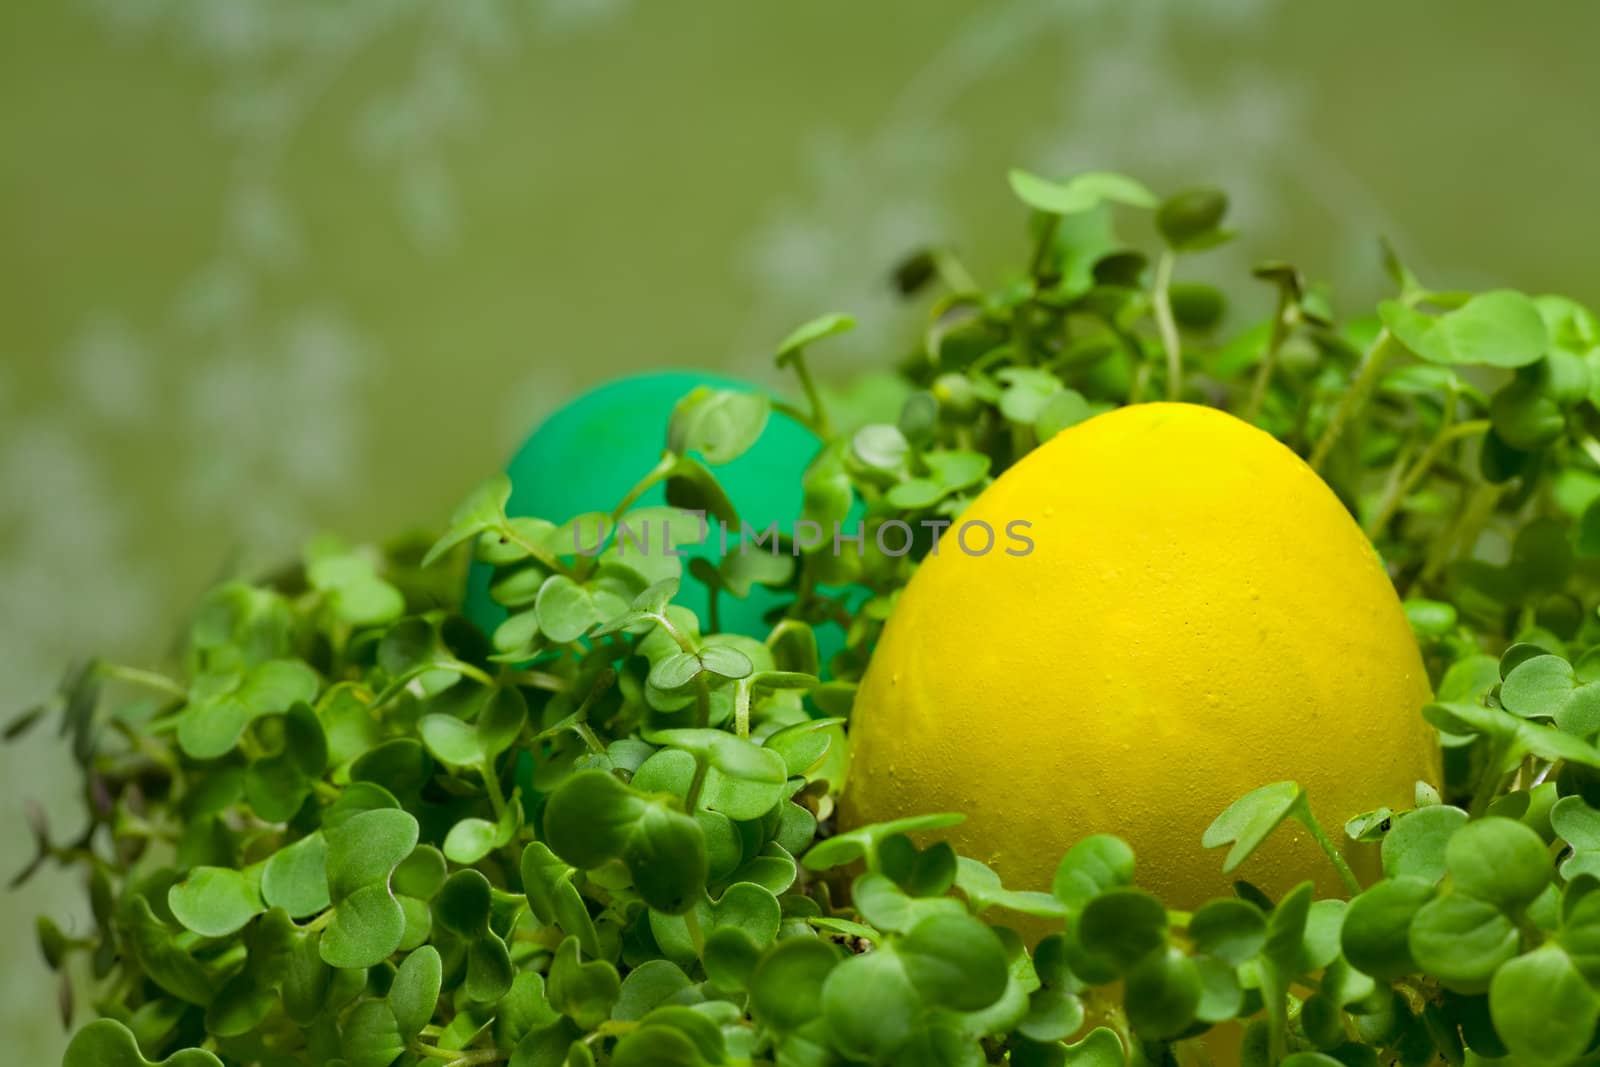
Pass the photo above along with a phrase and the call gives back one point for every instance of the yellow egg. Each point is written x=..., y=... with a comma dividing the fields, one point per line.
x=1198, y=616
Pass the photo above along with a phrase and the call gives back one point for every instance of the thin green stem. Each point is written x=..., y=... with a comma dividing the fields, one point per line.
x=1352, y=885
x=1047, y=242
x=590, y=738
x=819, y=415
x=678, y=636
x=663, y=469
x=544, y=556
x=1590, y=446
x=697, y=784
x=714, y=608
x=551, y=683
x=953, y=272
x=696, y=934
x=1474, y=513
x=491, y=785
x=741, y=708
x=1448, y=434
x=477, y=674
x=702, y=700
x=1372, y=364
x=1269, y=358
x=1166, y=325
x=580, y=726
x=459, y=1058
x=1489, y=783
x=149, y=679
x=319, y=922
x=1141, y=382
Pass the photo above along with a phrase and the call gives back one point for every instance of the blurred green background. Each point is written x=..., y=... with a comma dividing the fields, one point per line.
x=268, y=266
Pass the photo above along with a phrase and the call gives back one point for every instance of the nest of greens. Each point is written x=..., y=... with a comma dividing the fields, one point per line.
x=345, y=826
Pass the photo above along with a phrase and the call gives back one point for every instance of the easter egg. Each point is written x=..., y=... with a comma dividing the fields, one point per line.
x=588, y=455
x=1196, y=615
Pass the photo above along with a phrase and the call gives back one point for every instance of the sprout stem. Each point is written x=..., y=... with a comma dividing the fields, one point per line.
x=1269, y=359
x=820, y=424
x=1383, y=346
x=1449, y=432
x=1302, y=812
x=1047, y=240
x=1167, y=325
x=149, y=679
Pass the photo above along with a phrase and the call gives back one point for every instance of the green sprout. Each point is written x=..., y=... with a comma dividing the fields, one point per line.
x=344, y=826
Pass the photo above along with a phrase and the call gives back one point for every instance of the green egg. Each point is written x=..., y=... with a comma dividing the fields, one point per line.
x=588, y=454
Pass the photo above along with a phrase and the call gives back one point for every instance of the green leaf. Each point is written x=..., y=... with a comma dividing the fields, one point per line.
x=583, y=992
x=367, y=926
x=1500, y=861
x=1100, y=1048
x=1083, y=192
x=1462, y=941
x=666, y=855
x=107, y=1043
x=470, y=840
x=160, y=956
x=786, y=986
x=657, y=1046
x=1542, y=1008
x=870, y=1006
x=854, y=844
x=1061, y=411
x=1286, y=931
x=589, y=819
x=984, y=890
x=823, y=326
x=552, y=897
x=804, y=745
x=1525, y=418
x=653, y=983
x=501, y=719
x=1500, y=328
x=1190, y=220
x=489, y=970
x=1162, y=994
x=884, y=905
x=1122, y=926
x=222, y=707
x=1221, y=996
x=1249, y=820
x=1576, y=822
x=483, y=509
x=451, y=740
x=1231, y=930
x=370, y=1037
x=1416, y=844
x=420, y=874
x=566, y=609
x=215, y=901
x=414, y=993
x=464, y=904
x=954, y=961
x=744, y=780
x=720, y=424
x=1053, y=1014
x=366, y=848
x=1377, y=926
x=881, y=446
x=295, y=878
x=1092, y=866
x=368, y=923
